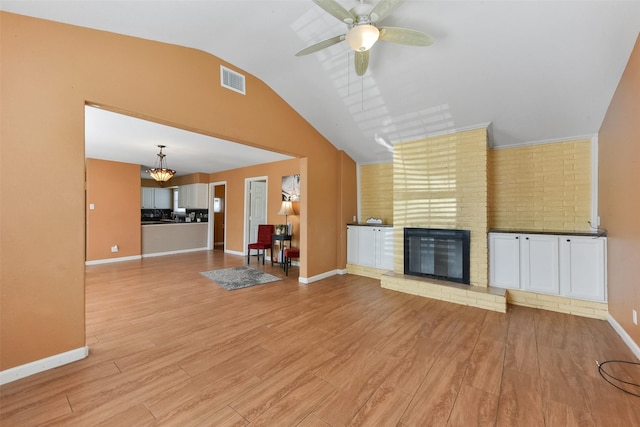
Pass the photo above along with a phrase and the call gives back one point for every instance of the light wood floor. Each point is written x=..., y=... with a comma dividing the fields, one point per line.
x=169, y=347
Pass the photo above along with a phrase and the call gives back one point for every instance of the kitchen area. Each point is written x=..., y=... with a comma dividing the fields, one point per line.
x=175, y=219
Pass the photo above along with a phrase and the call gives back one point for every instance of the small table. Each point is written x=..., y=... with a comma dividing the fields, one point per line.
x=279, y=238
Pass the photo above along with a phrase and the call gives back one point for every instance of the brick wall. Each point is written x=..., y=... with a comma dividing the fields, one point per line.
x=541, y=188
x=376, y=192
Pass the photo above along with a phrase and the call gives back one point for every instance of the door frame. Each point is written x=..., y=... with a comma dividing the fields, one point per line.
x=211, y=227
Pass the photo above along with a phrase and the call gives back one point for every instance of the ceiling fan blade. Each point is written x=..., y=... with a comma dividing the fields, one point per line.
x=383, y=9
x=361, y=62
x=334, y=8
x=405, y=36
x=320, y=45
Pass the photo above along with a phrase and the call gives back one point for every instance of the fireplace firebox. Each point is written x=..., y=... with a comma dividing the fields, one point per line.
x=437, y=253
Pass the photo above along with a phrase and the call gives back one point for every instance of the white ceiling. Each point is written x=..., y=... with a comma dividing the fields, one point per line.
x=537, y=71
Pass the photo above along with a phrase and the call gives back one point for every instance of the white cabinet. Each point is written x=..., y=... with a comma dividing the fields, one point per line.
x=571, y=266
x=539, y=263
x=155, y=198
x=504, y=260
x=193, y=196
x=370, y=246
x=582, y=270
x=352, y=244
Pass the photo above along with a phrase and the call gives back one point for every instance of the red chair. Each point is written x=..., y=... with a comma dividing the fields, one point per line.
x=265, y=231
x=288, y=254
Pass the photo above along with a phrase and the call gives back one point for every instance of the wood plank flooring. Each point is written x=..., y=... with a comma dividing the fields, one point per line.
x=170, y=347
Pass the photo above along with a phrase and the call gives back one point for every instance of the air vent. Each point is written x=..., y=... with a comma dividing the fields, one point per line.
x=232, y=80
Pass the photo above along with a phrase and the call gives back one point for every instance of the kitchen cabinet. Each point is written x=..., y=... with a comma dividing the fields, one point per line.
x=571, y=266
x=155, y=198
x=193, y=196
x=370, y=246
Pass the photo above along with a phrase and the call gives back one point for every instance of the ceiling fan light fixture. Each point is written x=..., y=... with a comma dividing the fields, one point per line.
x=362, y=37
x=161, y=173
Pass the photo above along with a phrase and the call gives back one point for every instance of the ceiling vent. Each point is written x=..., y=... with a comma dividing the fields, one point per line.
x=232, y=80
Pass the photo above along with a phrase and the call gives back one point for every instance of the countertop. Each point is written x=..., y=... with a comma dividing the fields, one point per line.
x=170, y=222
x=365, y=224
x=594, y=233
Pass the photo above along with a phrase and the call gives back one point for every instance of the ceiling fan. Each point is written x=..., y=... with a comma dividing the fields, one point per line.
x=364, y=31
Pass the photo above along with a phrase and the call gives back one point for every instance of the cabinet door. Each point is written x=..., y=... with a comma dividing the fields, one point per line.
x=367, y=246
x=539, y=263
x=384, y=248
x=352, y=244
x=504, y=260
x=146, y=198
x=183, y=196
x=582, y=267
x=198, y=197
x=162, y=198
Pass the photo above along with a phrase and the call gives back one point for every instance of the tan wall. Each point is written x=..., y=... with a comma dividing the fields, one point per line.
x=441, y=182
x=49, y=72
x=376, y=192
x=619, y=195
x=541, y=187
x=114, y=190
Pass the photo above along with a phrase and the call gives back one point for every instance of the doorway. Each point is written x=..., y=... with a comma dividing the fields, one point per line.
x=217, y=216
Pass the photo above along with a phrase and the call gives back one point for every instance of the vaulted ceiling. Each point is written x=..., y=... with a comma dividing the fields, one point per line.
x=533, y=71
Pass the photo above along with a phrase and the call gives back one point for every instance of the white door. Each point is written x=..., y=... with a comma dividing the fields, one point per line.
x=257, y=208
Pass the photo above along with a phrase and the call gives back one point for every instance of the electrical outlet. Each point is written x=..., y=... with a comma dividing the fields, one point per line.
x=635, y=317
x=114, y=248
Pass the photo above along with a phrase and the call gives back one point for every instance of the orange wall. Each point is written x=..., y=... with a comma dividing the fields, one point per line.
x=235, y=198
x=114, y=190
x=619, y=195
x=49, y=72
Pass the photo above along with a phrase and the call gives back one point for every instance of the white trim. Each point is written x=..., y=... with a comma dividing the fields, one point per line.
x=624, y=335
x=595, y=219
x=543, y=141
x=31, y=368
x=342, y=271
x=182, y=251
x=110, y=260
x=229, y=251
x=307, y=280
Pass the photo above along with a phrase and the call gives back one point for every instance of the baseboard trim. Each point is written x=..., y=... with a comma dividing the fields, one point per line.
x=307, y=280
x=182, y=251
x=110, y=260
x=228, y=251
x=625, y=336
x=31, y=368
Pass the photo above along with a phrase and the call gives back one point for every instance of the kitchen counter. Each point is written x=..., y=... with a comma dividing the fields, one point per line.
x=366, y=224
x=160, y=238
x=169, y=222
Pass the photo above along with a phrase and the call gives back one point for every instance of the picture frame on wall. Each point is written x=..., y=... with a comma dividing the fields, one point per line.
x=291, y=188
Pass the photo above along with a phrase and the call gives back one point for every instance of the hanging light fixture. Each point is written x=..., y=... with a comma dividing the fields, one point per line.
x=161, y=173
x=362, y=37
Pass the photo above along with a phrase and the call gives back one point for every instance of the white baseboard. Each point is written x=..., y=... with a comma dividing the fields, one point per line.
x=625, y=336
x=31, y=368
x=110, y=260
x=182, y=251
x=307, y=280
x=228, y=251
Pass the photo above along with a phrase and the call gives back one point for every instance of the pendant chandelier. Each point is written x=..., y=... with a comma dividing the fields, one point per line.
x=161, y=173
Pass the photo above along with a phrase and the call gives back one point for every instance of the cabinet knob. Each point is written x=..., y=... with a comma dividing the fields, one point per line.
x=527, y=238
x=517, y=237
x=568, y=240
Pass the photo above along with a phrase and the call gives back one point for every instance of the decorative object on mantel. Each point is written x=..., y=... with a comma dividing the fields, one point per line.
x=373, y=220
x=161, y=173
x=239, y=277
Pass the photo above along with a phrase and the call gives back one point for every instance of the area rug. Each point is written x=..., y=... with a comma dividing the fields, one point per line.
x=239, y=277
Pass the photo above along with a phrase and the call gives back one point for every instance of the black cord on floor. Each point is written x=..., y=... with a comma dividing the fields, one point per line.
x=606, y=375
